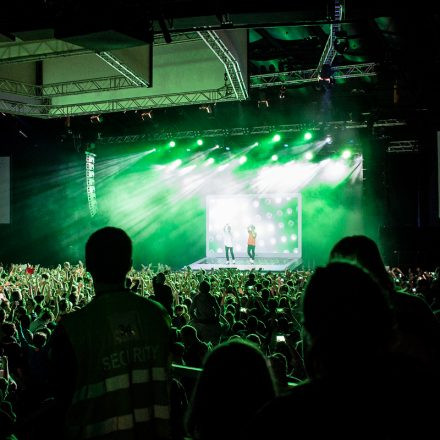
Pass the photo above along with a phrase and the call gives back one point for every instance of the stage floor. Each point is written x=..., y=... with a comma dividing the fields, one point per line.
x=267, y=264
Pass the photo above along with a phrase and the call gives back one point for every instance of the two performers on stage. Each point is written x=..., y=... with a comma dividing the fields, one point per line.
x=229, y=244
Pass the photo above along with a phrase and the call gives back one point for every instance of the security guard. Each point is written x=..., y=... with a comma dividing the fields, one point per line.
x=111, y=359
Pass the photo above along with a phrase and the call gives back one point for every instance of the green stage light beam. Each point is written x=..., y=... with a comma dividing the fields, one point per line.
x=346, y=154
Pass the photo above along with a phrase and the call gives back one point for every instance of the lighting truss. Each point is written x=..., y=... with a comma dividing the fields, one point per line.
x=65, y=88
x=408, y=146
x=178, y=37
x=38, y=50
x=29, y=51
x=90, y=180
x=44, y=109
x=215, y=43
x=243, y=131
x=123, y=69
x=308, y=76
x=329, y=52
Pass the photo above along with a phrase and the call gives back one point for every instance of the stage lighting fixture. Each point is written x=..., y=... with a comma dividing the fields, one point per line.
x=282, y=94
x=172, y=144
x=96, y=119
x=346, y=154
x=307, y=136
x=326, y=76
x=206, y=108
x=199, y=142
x=274, y=157
x=329, y=139
x=263, y=103
x=242, y=159
x=210, y=161
x=309, y=155
x=276, y=138
x=147, y=115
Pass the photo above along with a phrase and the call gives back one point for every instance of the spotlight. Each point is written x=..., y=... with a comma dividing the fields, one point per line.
x=147, y=115
x=172, y=144
x=329, y=139
x=96, y=119
x=326, y=76
x=207, y=108
x=276, y=138
x=309, y=155
x=307, y=136
x=346, y=154
x=242, y=159
x=282, y=94
x=199, y=142
x=274, y=157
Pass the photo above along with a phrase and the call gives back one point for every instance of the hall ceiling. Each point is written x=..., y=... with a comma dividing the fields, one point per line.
x=81, y=57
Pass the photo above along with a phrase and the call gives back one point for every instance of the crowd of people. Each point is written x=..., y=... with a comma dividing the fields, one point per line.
x=102, y=350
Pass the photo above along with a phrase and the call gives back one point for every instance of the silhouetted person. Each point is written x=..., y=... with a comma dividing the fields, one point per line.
x=205, y=314
x=357, y=388
x=418, y=334
x=163, y=293
x=195, y=349
x=111, y=358
x=234, y=384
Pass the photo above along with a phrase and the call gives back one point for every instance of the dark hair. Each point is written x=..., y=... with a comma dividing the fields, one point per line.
x=204, y=287
x=233, y=389
x=39, y=339
x=347, y=315
x=364, y=251
x=108, y=255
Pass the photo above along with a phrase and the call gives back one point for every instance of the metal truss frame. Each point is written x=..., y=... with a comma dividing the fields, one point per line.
x=47, y=110
x=215, y=43
x=38, y=50
x=176, y=38
x=123, y=69
x=244, y=131
x=329, y=52
x=309, y=75
x=65, y=88
x=407, y=146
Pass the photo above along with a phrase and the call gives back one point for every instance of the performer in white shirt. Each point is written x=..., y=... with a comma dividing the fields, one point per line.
x=229, y=245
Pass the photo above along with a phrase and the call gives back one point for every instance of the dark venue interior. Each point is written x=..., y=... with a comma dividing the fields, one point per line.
x=238, y=145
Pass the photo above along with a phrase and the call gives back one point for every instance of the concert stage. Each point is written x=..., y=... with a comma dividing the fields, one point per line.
x=266, y=264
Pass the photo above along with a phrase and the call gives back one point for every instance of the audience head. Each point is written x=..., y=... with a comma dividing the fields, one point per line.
x=204, y=287
x=347, y=319
x=228, y=393
x=188, y=334
x=364, y=251
x=108, y=255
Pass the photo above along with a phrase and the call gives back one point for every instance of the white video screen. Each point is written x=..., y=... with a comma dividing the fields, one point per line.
x=5, y=190
x=276, y=217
